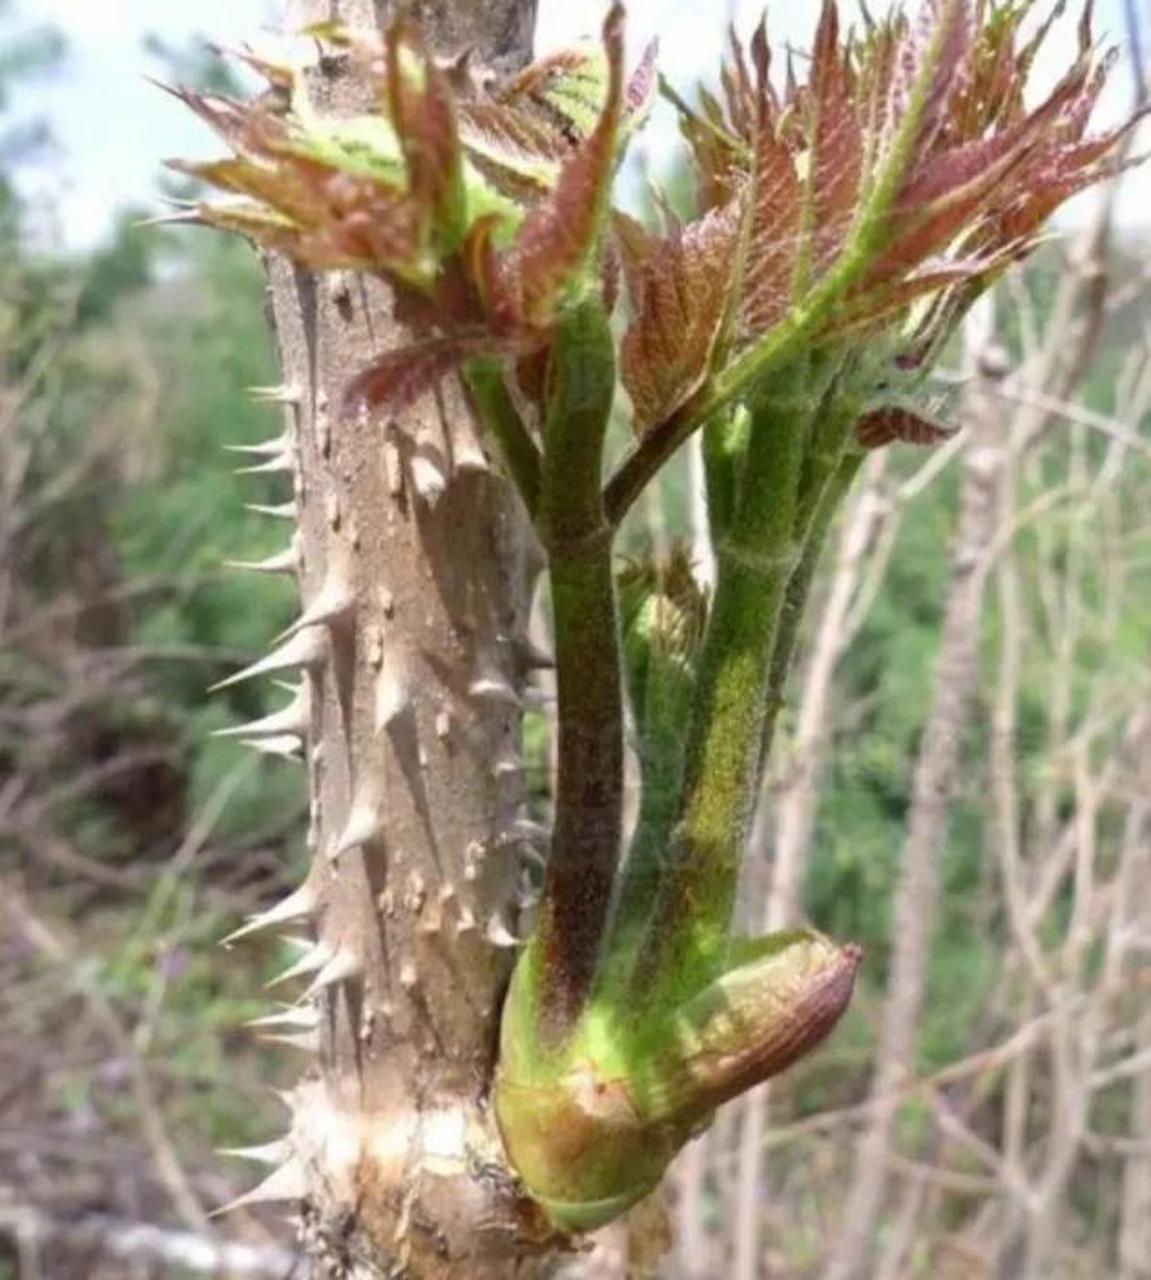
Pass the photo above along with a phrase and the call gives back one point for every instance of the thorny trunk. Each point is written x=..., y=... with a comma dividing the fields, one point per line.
x=935, y=771
x=417, y=555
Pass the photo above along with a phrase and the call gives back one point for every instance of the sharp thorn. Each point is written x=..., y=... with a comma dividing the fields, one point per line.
x=529, y=831
x=287, y=1183
x=266, y=448
x=308, y=1041
x=282, y=562
x=282, y=511
x=364, y=824
x=507, y=766
x=492, y=687
x=186, y=217
x=282, y=462
x=393, y=696
x=343, y=966
x=314, y=958
x=291, y=721
x=273, y=1153
x=531, y=656
x=306, y=649
x=427, y=479
x=333, y=600
x=287, y=747
x=300, y=905
x=469, y=459
x=284, y=393
x=306, y=1017
x=532, y=854
x=499, y=935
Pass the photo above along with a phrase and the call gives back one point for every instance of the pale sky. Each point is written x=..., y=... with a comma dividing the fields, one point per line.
x=115, y=129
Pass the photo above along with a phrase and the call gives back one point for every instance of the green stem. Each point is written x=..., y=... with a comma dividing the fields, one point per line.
x=638, y=467
x=589, y=783
x=667, y=695
x=661, y=746
x=724, y=446
x=755, y=562
x=493, y=404
x=799, y=588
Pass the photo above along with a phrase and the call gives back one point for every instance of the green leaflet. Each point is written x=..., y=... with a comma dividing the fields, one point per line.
x=362, y=145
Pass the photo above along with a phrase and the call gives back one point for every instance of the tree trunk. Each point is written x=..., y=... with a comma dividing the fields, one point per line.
x=935, y=772
x=416, y=568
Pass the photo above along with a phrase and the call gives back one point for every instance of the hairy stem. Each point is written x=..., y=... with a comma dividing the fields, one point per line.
x=799, y=588
x=489, y=396
x=589, y=784
x=721, y=773
x=667, y=692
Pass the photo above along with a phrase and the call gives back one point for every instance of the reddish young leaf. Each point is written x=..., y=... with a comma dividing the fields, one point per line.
x=955, y=188
x=423, y=116
x=252, y=220
x=371, y=234
x=896, y=423
x=983, y=174
x=680, y=296
x=835, y=155
x=741, y=90
x=247, y=127
x=641, y=86
x=531, y=376
x=749, y=153
x=773, y=240
x=488, y=272
x=398, y=378
x=938, y=44
x=518, y=150
x=878, y=50
x=634, y=245
x=717, y=157
x=559, y=234
x=335, y=219
x=874, y=308
x=535, y=79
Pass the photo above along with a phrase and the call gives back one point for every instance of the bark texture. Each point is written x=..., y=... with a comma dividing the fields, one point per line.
x=416, y=568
